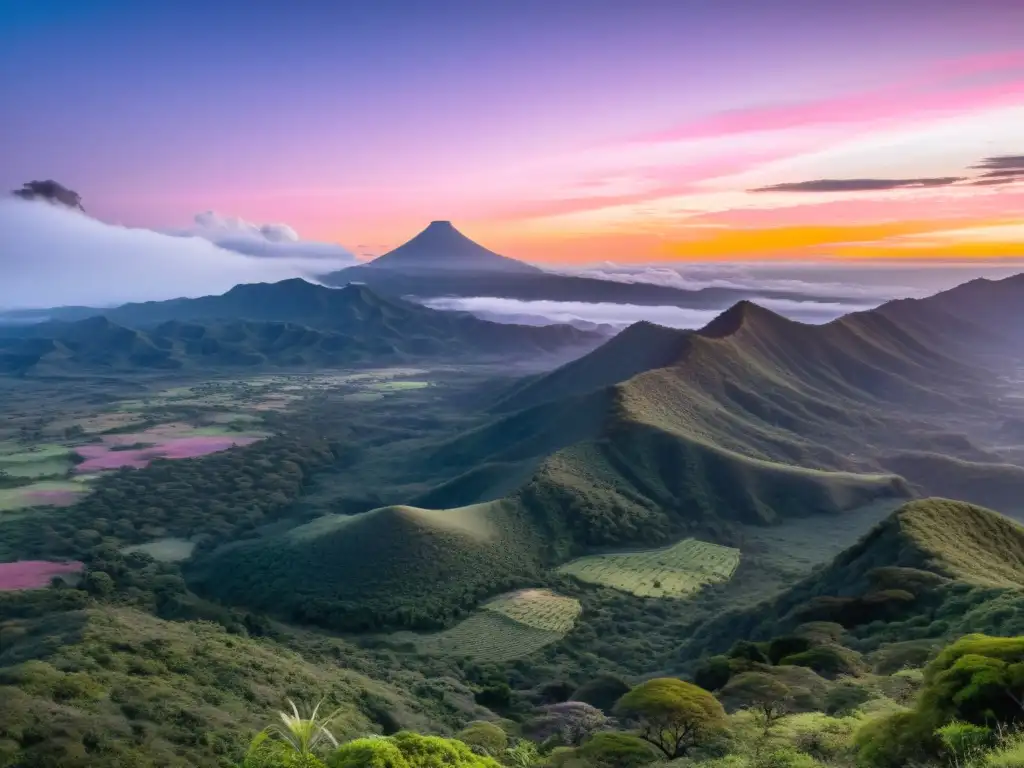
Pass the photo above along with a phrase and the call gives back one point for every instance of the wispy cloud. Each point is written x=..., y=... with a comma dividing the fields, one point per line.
x=263, y=240
x=857, y=185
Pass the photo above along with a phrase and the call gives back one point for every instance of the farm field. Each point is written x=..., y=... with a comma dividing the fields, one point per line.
x=51, y=446
x=164, y=550
x=678, y=571
x=57, y=493
x=510, y=626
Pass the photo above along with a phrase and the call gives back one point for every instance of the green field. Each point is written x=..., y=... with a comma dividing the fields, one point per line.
x=20, y=498
x=508, y=627
x=164, y=550
x=678, y=571
x=40, y=460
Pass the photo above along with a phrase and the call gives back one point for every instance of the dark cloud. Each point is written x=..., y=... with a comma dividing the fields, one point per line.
x=999, y=169
x=51, y=192
x=858, y=185
x=996, y=181
x=1001, y=163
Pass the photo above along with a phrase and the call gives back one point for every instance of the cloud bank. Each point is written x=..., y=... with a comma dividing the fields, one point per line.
x=264, y=240
x=620, y=315
x=52, y=256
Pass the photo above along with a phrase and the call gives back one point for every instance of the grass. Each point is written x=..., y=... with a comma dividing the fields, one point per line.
x=21, y=498
x=677, y=571
x=966, y=542
x=510, y=626
x=398, y=386
x=40, y=460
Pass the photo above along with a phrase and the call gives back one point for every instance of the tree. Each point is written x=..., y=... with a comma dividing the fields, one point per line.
x=767, y=698
x=485, y=738
x=978, y=679
x=673, y=715
x=569, y=723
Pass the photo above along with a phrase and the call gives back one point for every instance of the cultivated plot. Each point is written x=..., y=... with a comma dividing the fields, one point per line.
x=678, y=571
x=510, y=626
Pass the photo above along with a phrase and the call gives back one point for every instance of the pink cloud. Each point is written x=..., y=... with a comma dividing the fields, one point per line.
x=867, y=211
x=890, y=104
x=942, y=87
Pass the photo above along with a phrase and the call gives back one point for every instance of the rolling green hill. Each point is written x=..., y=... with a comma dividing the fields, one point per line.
x=939, y=564
x=640, y=347
x=292, y=323
x=756, y=420
x=401, y=566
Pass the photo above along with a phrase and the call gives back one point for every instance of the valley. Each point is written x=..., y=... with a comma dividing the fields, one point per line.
x=450, y=538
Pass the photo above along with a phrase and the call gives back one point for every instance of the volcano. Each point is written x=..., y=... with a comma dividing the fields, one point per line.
x=442, y=247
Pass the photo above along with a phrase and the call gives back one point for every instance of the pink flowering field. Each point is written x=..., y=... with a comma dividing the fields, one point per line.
x=99, y=457
x=32, y=574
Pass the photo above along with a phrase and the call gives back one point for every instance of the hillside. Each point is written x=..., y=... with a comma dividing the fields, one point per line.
x=293, y=323
x=137, y=690
x=641, y=347
x=919, y=560
x=994, y=306
x=394, y=566
x=756, y=419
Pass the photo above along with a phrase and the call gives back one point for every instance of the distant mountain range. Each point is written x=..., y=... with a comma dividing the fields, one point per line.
x=290, y=323
x=441, y=261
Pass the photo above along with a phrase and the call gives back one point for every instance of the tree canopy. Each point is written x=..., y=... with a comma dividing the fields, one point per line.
x=673, y=715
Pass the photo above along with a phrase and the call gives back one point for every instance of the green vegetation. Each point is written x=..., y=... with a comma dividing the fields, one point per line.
x=204, y=500
x=112, y=686
x=507, y=627
x=507, y=549
x=292, y=323
x=674, y=572
x=673, y=715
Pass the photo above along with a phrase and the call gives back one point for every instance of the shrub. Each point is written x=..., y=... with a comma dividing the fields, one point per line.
x=828, y=660
x=787, y=645
x=616, y=750
x=602, y=691
x=964, y=742
x=748, y=651
x=484, y=738
x=713, y=673
x=892, y=742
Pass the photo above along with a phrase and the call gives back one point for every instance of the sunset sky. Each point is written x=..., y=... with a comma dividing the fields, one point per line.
x=565, y=132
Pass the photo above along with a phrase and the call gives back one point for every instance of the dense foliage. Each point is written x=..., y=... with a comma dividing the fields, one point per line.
x=208, y=500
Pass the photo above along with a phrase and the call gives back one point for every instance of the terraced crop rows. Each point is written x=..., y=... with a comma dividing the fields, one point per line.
x=538, y=608
x=677, y=571
x=509, y=627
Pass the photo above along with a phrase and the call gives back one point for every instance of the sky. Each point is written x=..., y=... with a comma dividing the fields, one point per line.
x=565, y=132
